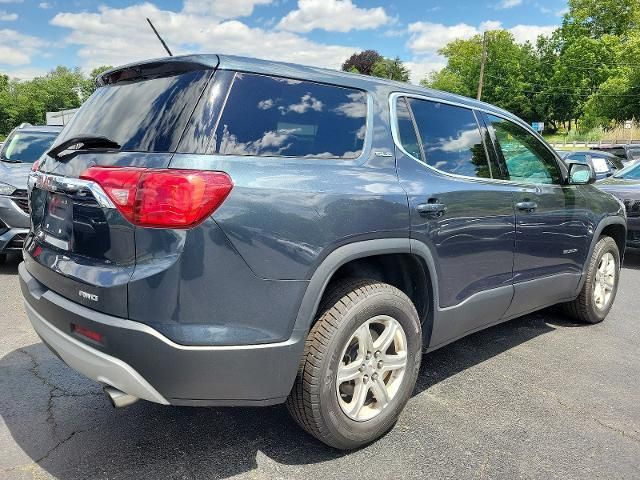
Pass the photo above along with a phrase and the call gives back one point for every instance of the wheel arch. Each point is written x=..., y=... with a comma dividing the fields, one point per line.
x=614, y=227
x=390, y=260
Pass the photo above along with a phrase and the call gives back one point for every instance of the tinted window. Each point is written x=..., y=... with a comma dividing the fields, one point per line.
x=526, y=158
x=271, y=116
x=406, y=130
x=450, y=138
x=141, y=116
x=580, y=157
x=27, y=147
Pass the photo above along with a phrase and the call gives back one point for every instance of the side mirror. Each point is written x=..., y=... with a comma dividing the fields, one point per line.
x=581, y=174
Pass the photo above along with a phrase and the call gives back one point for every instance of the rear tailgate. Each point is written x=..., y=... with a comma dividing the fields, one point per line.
x=80, y=245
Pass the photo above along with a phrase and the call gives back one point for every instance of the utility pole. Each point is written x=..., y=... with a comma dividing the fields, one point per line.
x=484, y=60
x=160, y=38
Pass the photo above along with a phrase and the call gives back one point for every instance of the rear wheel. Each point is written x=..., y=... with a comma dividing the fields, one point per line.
x=600, y=286
x=360, y=364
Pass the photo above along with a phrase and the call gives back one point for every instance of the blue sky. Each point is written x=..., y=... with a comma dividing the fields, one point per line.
x=36, y=35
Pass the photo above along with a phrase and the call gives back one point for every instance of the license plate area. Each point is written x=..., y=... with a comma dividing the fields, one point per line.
x=57, y=224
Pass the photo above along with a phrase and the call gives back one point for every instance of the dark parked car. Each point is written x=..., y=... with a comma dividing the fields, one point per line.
x=603, y=163
x=23, y=146
x=627, y=153
x=215, y=230
x=625, y=185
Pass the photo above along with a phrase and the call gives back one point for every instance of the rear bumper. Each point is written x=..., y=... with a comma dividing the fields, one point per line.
x=140, y=361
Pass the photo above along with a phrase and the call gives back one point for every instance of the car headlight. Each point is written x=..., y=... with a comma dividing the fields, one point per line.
x=6, y=189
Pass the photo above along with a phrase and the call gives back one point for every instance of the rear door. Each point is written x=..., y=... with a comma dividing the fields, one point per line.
x=552, y=224
x=79, y=245
x=460, y=209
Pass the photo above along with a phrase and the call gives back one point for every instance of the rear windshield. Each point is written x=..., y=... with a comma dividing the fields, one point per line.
x=140, y=116
x=26, y=147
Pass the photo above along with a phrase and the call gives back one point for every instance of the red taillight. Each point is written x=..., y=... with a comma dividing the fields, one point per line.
x=34, y=167
x=162, y=198
x=87, y=333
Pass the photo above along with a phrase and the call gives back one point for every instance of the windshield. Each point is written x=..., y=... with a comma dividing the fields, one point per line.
x=632, y=172
x=633, y=154
x=141, y=116
x=26, y=147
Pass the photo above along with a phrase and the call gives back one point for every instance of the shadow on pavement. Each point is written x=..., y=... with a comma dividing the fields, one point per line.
x=10, y=266
x=632, y=258
x=63, y=422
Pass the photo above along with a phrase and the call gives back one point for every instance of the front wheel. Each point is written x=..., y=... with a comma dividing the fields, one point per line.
x=360, y=364
x=601, y=285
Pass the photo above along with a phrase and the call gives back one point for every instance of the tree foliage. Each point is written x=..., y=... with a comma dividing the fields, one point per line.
x=391, y=68
x=28, y=101
x=587, y=70
x=362, y=62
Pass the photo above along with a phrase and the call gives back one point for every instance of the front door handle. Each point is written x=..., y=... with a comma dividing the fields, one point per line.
x=526, y=206
x=434, y=210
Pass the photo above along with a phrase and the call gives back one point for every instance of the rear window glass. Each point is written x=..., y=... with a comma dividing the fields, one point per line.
x=272, y=116
x=27, y=147
x=451, y=138
x=140, y=116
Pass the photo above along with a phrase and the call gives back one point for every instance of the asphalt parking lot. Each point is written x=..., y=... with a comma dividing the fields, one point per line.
x=536, y=397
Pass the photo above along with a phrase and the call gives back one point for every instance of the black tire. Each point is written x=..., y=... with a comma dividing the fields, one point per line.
x=3, y=258
x=313, y=401
x=584, y=307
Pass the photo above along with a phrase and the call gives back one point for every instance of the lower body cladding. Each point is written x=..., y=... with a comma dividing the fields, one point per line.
x=132, y=360
x=633, y=232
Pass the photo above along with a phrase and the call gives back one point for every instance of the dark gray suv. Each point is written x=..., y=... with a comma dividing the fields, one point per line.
x=215, y=230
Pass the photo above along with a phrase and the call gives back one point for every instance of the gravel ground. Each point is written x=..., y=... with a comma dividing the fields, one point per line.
x=537, y=397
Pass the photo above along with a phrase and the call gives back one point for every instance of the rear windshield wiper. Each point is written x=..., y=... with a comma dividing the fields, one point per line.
x=8, y=160
x=87, y=142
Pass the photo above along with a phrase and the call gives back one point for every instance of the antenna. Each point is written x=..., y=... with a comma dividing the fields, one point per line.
x=160, y=38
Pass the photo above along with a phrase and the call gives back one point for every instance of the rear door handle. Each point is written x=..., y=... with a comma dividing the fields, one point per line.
x=431, y=209
x=526, y=206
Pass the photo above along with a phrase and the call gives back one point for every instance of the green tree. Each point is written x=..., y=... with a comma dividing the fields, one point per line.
x=391, y=68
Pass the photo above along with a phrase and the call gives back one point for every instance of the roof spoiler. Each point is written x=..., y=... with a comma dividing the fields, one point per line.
x=164, y=67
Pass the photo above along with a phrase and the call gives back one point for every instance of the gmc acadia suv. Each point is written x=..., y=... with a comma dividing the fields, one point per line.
x=215, y=230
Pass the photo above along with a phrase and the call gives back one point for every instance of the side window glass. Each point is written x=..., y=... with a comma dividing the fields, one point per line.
x=526, y=158
x=450, y=138
x=406, y=130
x=272, y=116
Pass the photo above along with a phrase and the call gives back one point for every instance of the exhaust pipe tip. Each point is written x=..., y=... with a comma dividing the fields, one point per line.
x=118, y=398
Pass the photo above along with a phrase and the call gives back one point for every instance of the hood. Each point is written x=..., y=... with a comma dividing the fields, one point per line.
x=15, y=174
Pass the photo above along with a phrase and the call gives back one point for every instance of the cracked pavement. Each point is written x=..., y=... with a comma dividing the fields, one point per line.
x=537, y=397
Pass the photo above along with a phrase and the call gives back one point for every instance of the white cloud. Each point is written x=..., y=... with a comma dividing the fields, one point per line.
x=428, y=38
x=120, y=35
x=490, y=25
x=8, y=17
x=530, y=33
x=17, y=48
x=508, y=4
x=431, y=37
x=333, y=16
x=222, y=8
x=421, y=68
x=45, y=5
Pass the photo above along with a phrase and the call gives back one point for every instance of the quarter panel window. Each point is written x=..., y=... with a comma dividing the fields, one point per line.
x=406, y=130
x=526, y=158
x=451, y=138
x=272, y=116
